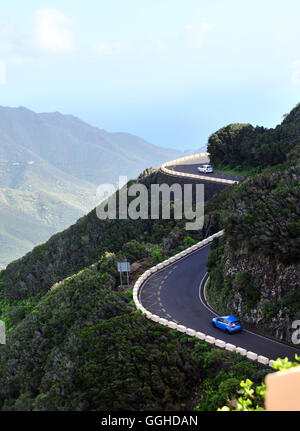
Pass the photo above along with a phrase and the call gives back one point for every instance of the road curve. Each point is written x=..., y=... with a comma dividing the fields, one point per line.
x=176, y=293
x=192, y=168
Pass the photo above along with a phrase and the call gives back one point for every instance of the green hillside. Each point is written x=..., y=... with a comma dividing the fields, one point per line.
x=80, y=345
x=29, y=218
x=50, y=167
x=35, y=202
x=84, y=347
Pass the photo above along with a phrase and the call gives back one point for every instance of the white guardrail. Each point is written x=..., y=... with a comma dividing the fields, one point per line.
x=181, y=328
x=164, y=169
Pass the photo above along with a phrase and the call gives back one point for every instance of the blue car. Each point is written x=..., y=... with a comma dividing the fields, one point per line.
x=228, y=324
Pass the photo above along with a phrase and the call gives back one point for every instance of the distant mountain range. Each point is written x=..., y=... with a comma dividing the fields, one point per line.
x=50, y=166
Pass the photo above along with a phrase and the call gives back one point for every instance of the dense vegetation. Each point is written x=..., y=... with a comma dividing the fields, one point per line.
x=255, y=268
x=244, y=147
x=84, y=243
x=83, y=347
x=270, y=203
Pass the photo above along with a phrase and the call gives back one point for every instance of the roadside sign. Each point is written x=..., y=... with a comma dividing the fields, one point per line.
x=124, y=267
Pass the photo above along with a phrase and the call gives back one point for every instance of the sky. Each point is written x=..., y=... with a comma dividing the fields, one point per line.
x=170, y=71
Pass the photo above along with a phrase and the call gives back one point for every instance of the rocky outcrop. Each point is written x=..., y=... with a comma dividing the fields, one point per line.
x=261, y=291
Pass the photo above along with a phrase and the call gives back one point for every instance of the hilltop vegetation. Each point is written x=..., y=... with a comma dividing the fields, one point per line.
x=244, y=147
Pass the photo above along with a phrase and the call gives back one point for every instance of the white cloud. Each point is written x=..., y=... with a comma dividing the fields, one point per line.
x=2, y=72
x=296, y=72
x=52, y=31
x=197, y=33
x=136, y=47
x=5, y=46
x=106, y=48
x=160, y=45
x=17, y=60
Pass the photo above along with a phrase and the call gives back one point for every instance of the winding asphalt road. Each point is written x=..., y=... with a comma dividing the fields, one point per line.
x=177, y=294
x=192, y=168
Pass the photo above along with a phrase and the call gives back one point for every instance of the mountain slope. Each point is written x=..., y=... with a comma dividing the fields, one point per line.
x=29, y=218
x=75, y=147
x=36, y=200
x=81, y=346
x=85, y=242
x=50, y=165
x=78, y=345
